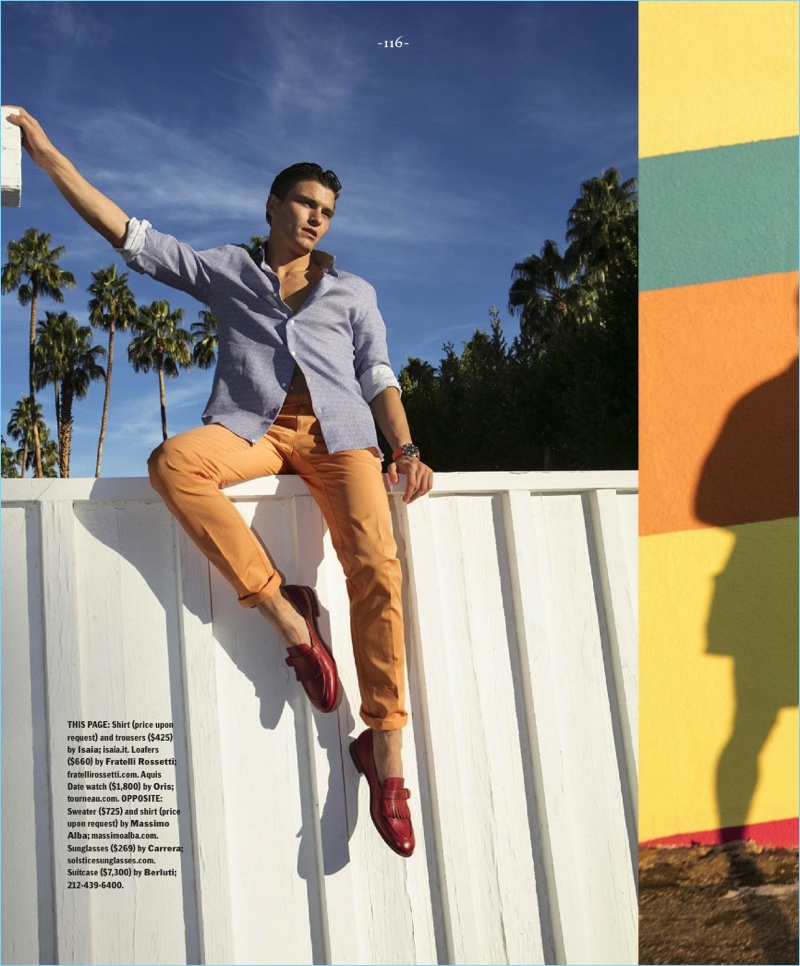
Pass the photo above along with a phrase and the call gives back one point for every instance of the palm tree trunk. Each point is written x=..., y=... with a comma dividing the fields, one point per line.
x=65, y=432
x=106, y=399
x=24, y=461
x=56, y=389
x=163, y=396
x=36, y=444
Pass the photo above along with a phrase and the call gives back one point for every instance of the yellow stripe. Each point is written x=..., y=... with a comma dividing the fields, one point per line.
x=713, y=74
x=716, y=606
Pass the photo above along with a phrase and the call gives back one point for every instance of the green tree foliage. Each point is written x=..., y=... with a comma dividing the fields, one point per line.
x=111, y=308
x=10, y=469
x=548, y=295
x=32, y=270
x=50, y=453
x=563, y=395
x=460, y=412
x=64, y=356
x=21, y=429
x=256, y=242
x=602, y=226
x=49, y=346
x=160, y=343
x=205, y=338
x=24, y=416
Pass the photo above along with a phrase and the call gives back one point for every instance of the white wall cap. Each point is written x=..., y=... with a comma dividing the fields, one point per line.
x=11, y=164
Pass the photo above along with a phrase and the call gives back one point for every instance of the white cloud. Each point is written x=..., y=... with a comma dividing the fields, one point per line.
x=71, y=22
x=202, y=188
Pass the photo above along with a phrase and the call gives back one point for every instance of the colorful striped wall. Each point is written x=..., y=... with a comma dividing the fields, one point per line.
x=718, y=735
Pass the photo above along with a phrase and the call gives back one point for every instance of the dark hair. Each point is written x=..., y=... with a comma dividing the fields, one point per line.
x=303, y=171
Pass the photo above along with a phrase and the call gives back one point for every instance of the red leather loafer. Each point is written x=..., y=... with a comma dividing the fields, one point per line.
x=313, y=664
x=387, y=803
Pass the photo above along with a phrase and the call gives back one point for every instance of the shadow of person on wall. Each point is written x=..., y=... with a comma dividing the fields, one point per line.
x=749, y=486
x=261, y=661
x=254, y=649
x=252, y=646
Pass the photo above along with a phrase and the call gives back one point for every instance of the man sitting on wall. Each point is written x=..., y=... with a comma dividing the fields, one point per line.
x=302, y=376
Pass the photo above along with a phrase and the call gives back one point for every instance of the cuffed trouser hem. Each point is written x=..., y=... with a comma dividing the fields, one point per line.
x=267, y=592
x=394, y=722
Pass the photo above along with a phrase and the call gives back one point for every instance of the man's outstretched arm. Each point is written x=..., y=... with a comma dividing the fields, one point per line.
x=92, y=205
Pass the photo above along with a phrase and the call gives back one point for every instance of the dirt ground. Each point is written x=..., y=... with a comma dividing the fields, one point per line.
x=732, y=903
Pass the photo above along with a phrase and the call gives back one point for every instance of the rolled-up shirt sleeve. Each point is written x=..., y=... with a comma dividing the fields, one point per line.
x=372, y=367
x=168, y=260
x=134, y=239
x=375, y=380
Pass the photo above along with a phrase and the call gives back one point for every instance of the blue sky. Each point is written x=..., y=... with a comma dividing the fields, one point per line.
x=459, y=154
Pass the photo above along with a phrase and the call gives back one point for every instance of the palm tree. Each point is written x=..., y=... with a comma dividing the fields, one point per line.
x=9, y=471
x=256, y=242
x=24, y=416
x=601, y=227
x=49, y=450
x=46, y=349
x=547, y=293
x=206, y=340
x=160, y=344
x=66, y=356
x=112, y=307
x=33, y=270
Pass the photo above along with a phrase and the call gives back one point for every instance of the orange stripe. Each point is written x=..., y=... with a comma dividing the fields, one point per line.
x=718, y=404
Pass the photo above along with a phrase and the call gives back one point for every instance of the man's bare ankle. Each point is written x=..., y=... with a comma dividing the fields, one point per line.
x=290, y=625
x=387, y=751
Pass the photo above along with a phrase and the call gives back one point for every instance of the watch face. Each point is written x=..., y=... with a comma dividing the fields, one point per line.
x=407, y=449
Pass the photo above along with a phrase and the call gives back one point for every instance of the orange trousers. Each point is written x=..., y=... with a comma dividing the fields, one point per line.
x=188, y=470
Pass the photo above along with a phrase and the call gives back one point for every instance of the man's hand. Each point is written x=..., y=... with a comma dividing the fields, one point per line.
x=100, y=212
x=34, y=140
x=419, y=477
x=391, y=418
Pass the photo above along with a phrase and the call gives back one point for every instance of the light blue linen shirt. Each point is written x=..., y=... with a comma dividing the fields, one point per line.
x=337, y=337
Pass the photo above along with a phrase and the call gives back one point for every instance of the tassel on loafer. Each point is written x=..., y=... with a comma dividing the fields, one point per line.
x=388, y=803
x=313, y=663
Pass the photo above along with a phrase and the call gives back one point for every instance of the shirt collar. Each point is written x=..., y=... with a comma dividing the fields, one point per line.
x=325, y=260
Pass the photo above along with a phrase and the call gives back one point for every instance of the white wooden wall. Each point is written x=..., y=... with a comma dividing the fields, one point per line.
x=520, y=595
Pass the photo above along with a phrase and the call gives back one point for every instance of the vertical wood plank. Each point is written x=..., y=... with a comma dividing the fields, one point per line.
x=468, y=661
x=64, y=703
x=258, y=704
x=198, y=649
x=428, y=627
x=535, y=633
x=599, y=918
x=27, y=865
x=125, y=585
x=616, y=578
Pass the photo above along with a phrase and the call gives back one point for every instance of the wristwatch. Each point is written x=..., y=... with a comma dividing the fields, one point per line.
x=407, y=449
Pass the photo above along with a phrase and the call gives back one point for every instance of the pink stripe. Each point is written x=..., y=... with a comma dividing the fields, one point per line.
x=780, y=834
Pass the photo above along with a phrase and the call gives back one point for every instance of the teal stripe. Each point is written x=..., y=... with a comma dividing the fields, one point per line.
x=722, y=213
